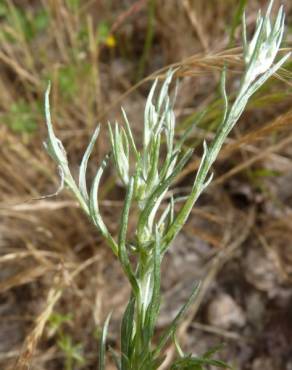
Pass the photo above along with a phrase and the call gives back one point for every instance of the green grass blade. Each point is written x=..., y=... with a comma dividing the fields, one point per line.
x=191, y=363
x=236, y=21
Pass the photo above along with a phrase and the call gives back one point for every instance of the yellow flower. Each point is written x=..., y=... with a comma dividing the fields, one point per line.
x=110, y=41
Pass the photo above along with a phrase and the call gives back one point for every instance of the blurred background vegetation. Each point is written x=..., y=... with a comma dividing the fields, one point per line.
x=58, y=281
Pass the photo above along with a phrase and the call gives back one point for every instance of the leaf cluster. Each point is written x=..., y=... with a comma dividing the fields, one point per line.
x=148, y=174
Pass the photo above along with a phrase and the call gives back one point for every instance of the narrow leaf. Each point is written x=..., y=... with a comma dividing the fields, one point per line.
x=127, y=332
x=223, y=93
x=122, y=251
x=94, y=208
x=162, y=187
x=83, y=165
x=171, y=329
x=130, y=135
x=54, y=145
x=101, y=362
x=153, y=308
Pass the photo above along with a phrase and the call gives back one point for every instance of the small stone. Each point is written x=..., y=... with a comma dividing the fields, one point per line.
x=260, y=271
x=255, y=309
x=224, y=312
x=262, y=363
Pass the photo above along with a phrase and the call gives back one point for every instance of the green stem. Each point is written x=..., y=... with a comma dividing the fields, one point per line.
x=69, y=362
x=148, y=39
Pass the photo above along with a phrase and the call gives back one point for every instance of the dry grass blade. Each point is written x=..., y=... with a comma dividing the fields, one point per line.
x=24, y=277
x=32, y=339
x=283, y=122
x=263, y=154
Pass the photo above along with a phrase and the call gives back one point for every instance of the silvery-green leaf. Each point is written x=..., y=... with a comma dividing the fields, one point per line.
x=130, y=135
x=122, y=251
x=94, y=208
x=84, y=162
x=102, y=346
